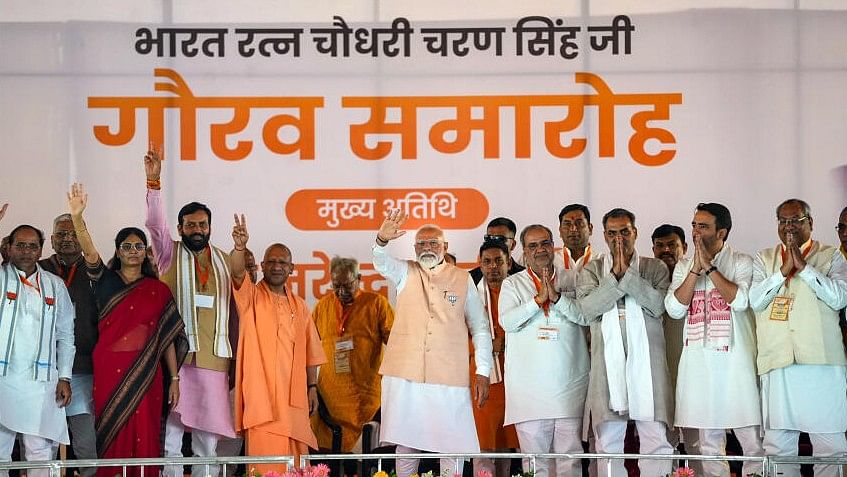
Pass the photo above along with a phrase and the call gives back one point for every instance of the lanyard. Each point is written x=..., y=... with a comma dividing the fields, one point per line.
x=546, y=305
x=71, y=274
x=342, y=313
x=566, y=254
x=804, y=253
x=35, y=286
x=203, y=272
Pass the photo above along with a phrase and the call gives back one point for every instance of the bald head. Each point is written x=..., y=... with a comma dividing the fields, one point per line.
x=277, y=266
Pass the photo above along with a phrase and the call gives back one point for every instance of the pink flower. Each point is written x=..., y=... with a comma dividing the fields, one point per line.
x=483, y=473
x=684, y=472
x=320, y=470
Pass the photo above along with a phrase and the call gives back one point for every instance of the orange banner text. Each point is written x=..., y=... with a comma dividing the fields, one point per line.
x=453, y=135
x=188, y=104
x=363, y=209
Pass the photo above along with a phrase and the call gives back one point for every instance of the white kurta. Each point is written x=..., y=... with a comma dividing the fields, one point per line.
x=545, y=379
x=433, y=417
x=567, y=275
x=28, y=406
x=718, y=389
x=803, y=397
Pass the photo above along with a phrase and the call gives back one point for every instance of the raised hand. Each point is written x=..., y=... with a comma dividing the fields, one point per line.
x=239, y=233
x=153, y=162
x=77, y=199
x=3, y=210
x=390, y=228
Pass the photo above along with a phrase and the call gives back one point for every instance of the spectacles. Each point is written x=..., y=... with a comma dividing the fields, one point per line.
x=537, y=245
x=496, y=238
x=432, y=243
x=23, y=246
x=129, y=247
x=346, y=286
x=841, y=227
x=65, y=234
x=795, y=221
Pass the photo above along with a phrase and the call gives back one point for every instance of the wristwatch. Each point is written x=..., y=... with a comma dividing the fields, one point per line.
x=710, y=270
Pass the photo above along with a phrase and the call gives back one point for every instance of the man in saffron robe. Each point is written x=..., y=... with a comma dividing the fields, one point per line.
x=353, y=325
x=278, y=354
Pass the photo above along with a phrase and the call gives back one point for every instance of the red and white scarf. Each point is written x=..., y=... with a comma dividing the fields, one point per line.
x=709, y=315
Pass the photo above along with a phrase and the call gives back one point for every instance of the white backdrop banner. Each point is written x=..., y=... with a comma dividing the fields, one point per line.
x=313, y=127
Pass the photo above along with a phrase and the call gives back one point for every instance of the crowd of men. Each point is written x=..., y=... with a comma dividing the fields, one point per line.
x=564, y=348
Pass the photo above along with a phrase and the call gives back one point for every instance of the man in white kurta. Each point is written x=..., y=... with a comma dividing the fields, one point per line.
x=426, y=393
x=797, y=288
x=546, y=358
x=629, y=372
x=708, y=293
x=37, y=343
x=575, y=229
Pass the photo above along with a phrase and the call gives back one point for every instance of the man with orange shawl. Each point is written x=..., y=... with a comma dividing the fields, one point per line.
x=277, y=358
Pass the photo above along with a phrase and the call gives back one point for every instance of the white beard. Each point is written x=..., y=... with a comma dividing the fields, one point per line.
x=429, y=259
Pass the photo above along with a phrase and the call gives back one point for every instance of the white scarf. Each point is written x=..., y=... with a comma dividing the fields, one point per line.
x=185, y=281
x=628, y=373
x=496, y=372
x=11, y=300
x=709, y=320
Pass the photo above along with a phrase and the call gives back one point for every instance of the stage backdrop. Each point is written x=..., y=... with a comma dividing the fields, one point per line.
x=313, y=118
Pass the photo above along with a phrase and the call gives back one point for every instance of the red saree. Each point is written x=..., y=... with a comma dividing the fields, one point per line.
x=137, y=323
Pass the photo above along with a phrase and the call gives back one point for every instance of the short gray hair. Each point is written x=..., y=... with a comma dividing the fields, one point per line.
x=61, y=218
x=344, y=264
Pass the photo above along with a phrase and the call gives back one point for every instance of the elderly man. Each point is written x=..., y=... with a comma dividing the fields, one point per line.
x=353, y=324
x=278, y=354
x=500, y=229
x=629, y=373
x=426, y=398
x=708, y=294
x=197, y=274
x=67, y=263
x=546, y=358
x=575, y=229
x=37, y=336
x=798, y=286
x=495, y=262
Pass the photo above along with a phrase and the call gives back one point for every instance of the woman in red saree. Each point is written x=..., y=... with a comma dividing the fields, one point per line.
x=139, y=328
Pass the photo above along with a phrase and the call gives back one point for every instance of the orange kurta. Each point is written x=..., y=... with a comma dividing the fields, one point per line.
x=277, y=341
x=489, y=419
x=353, y=397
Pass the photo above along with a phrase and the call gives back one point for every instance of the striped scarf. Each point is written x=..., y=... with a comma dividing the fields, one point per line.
x=9, y=307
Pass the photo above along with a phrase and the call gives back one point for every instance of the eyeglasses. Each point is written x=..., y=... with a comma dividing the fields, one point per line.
x=794, y=221
x=541, y=244
x=841, y=227
x=432, y=243
x=496, y=238
x=24, y=246
x=349, y=286
x=65, y=234
x=129, y=247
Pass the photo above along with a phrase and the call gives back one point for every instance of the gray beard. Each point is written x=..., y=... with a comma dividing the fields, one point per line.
x=429, y=261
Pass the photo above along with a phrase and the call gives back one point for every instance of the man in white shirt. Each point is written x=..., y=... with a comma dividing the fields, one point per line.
x=797, y=288
x=426, y=388
x=37, y=339
x=629, y=372
x=575, y=229
x=546, y=358
x=708, y=294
